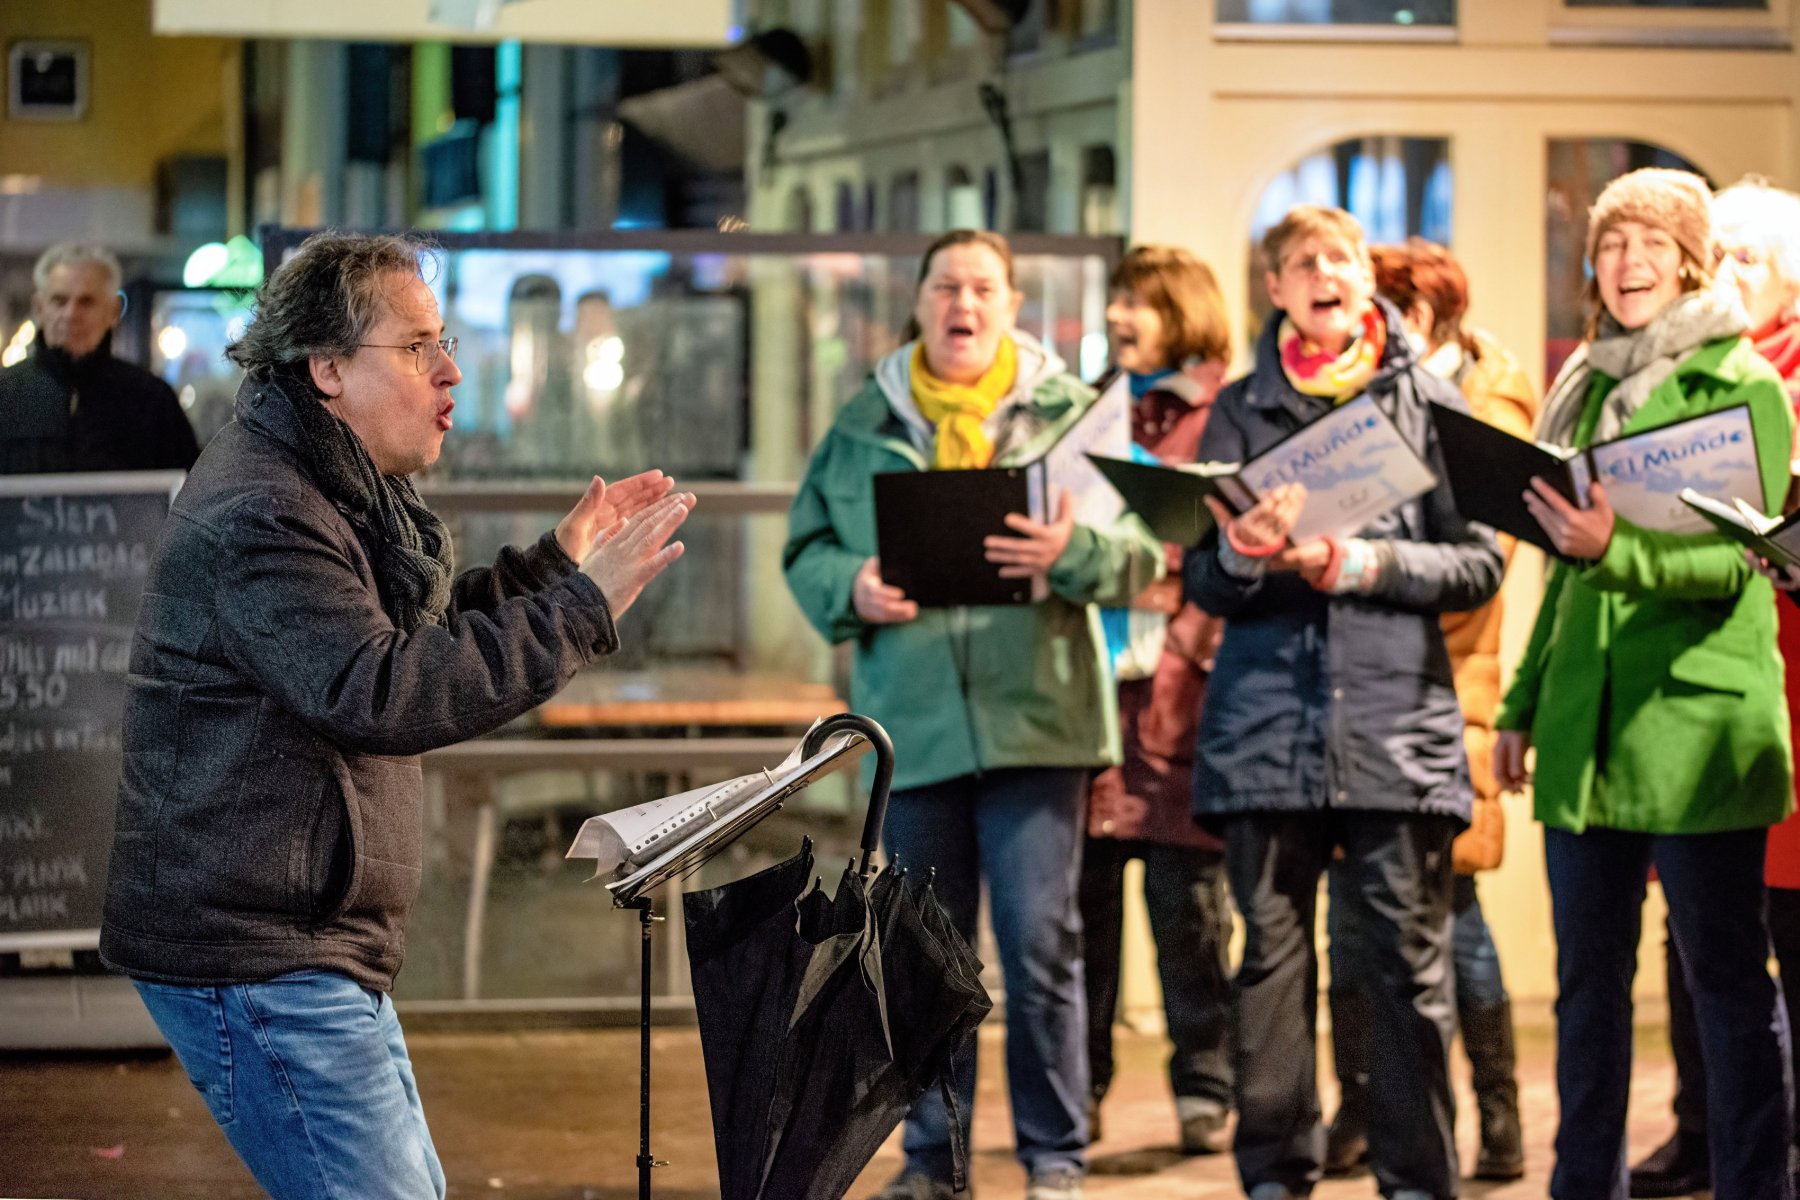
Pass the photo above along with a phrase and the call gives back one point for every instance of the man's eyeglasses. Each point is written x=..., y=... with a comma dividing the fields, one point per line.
x=1313, y=266
x=425, y=354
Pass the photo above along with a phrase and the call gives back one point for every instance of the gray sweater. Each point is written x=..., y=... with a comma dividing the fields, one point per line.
x=269, y=808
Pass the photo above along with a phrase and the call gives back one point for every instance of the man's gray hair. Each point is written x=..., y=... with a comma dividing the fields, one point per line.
x=324, y=299
x=77, y=254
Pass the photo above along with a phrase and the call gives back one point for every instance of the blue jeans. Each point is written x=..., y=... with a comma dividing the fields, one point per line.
x=1020, y=831
x=1477, y=961
x=1714, y=885
x=308, y=1076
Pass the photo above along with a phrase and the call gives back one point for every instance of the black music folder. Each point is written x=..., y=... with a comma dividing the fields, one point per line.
x=1353, y=462
x=1490, y=471
x=929, y=529
x=1172, y=500
x=1644, y=473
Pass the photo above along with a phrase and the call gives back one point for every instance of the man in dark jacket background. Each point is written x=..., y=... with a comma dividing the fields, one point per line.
x=302, y=641
x=72, y=406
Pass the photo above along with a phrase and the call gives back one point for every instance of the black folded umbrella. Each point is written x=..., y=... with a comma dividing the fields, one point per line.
x=934, y=997
x=822, y=1019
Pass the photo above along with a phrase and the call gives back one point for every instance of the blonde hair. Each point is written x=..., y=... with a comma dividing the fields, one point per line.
x=1184, y=294
x=1315, y=220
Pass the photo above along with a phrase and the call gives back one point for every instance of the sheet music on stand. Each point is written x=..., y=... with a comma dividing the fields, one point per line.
x=647, y=845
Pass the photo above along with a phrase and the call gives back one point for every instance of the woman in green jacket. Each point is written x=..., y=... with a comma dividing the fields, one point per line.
x=998, y=714
x=1653, y=693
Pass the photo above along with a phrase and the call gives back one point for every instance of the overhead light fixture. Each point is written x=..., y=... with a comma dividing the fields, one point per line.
x=747, y=65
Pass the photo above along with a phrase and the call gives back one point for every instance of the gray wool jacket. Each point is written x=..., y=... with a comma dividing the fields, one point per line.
x=269, y=808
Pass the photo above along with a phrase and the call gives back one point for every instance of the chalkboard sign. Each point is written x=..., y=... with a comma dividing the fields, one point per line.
x=75, y=551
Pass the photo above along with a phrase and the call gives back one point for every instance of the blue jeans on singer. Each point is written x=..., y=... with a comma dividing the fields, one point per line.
x=1717, y=913
x=1020, y=831
x=308, y=1076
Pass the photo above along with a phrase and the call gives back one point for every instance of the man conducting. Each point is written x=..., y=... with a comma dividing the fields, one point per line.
x=72, y=406
x=302, y=641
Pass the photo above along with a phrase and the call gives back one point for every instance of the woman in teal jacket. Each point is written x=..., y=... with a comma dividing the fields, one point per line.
x=1653, y=692
x=998, y=714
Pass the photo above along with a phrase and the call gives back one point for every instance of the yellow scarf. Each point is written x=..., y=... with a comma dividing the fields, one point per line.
x=957, y=410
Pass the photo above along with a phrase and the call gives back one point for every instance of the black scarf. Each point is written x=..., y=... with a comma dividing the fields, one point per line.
x=414, y=560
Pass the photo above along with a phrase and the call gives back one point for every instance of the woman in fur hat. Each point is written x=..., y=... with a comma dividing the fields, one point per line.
x=1758, y=251
x=1653, y=692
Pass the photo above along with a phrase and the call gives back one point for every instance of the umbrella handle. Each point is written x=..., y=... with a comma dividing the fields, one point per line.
x=876, y=736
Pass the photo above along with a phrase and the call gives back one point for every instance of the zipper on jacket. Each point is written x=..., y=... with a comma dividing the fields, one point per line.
x=959, y=662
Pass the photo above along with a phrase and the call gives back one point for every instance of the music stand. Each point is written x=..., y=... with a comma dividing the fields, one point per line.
x=699, y=847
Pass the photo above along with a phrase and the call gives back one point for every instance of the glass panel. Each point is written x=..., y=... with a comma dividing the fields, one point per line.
x=1578, y=169
x=189, y=331
x=1398, y=187
x=577, y=361
x=723, y=360
x=1337, y=12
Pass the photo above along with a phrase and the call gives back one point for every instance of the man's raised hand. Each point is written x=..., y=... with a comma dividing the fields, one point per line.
x=630, y=552
x=603, y=504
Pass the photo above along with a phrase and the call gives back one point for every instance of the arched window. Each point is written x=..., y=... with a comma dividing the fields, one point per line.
x=1398, y=187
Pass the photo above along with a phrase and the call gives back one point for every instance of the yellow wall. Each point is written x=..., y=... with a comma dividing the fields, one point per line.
x=1513, y=75
x=150, y=97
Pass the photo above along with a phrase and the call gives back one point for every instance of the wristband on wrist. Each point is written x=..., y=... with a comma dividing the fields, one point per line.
x=1360, y=568
x=1328, y=578
x=1247, y=550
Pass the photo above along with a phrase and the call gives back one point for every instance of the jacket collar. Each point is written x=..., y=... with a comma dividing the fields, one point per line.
x=883, y=412
x=265, y=403
x=1668, y=401
x=270, y=404
x=63, y=367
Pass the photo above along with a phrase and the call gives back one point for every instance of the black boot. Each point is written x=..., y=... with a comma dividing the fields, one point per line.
x=1680, y=1166
x=1488, y=1041
x=1347, y=1143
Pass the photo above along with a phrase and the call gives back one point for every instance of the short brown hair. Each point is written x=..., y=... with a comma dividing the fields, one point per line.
x=1313, y=220
x=1422, y=270
x=1184, y=294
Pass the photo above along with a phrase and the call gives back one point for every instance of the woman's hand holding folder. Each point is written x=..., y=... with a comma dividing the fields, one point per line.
x=877, y=602
x=1262, y=529
x=1582, y=533
x=1038, y=546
